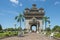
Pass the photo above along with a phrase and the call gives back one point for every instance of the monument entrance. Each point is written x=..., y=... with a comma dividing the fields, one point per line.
x=33, y=17
x=33, y=28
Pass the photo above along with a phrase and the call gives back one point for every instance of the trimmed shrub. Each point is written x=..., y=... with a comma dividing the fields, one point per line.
x=1, y=31
x=48, y=33
x=8, y=34
x=57, y=35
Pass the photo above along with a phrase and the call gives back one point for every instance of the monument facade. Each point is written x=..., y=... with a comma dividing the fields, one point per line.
x=33, y=17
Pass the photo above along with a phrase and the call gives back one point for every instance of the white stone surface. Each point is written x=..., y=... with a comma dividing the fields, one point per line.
x=37, y=32
x=27, y=25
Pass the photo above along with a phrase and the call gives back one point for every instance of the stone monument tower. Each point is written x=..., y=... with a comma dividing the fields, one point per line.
x=33, y=17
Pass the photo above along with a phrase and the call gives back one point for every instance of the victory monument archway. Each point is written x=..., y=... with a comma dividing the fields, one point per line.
x=33, y=17
x=33, y=28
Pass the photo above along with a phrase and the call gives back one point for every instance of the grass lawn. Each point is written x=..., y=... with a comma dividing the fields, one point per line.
x=8, y=34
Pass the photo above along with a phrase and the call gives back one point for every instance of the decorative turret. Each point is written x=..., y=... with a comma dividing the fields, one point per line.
x=34, y=8
x=41, y=10
x=34, y=5
x=27, y=10
x=34, y=12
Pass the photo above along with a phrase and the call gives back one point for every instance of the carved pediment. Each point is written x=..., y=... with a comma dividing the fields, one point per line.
x=34, y=19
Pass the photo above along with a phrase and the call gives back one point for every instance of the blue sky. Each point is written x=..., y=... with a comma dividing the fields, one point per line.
x=11, y=8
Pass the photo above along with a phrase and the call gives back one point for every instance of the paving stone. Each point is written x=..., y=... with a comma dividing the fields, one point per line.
x=30, y=36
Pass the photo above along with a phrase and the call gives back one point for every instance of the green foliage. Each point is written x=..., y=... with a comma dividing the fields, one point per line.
x=10, y=29
x=1, y=31
x=0, y=27
x=8, y=34
x=19, y=18
x=56, y=28
x=13, y=29
x=25, y=31
x=48, y=33
x=45, y=20
x=48, y=29
x=19, y=29
x=57, y=35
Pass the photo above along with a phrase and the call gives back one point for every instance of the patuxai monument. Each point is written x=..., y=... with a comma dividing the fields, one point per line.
x=33, y=17
x=30, y=18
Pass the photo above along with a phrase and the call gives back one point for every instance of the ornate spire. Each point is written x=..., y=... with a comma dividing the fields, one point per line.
x=34, y=5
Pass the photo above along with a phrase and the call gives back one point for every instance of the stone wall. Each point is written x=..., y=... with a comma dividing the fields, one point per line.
x=27, y=25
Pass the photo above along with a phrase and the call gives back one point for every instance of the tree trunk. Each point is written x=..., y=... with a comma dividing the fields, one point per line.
x=20, y=25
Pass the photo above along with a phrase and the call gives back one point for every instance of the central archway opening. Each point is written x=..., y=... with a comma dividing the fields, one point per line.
x=33, y=28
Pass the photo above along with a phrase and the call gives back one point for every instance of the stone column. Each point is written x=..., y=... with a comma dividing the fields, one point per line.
x=30, y=29
x=41, y=26
x=37, y=29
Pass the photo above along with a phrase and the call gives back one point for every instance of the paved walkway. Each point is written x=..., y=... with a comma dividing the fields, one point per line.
x=30, y=36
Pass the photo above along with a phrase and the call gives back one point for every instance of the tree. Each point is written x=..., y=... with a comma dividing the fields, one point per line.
x=19, y=28
x=45, y=20
x=0, y=27
x=56, y=28
x=19, y=18
x=10, y=29
x=48, y=29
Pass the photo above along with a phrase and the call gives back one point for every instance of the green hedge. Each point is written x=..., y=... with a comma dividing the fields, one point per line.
x=8, y=34
x=48, y=33
x=57, y=35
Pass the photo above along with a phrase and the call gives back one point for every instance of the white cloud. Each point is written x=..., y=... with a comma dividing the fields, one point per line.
x=14, y=1
x=57, y=3
x=21, y=4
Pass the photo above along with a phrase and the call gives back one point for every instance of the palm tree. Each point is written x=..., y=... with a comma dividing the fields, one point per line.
x=45, y=20
x=0, y=27
x=49, y=23
x=19, y=18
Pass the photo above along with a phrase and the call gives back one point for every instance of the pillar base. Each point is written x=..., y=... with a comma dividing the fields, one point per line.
x=30, y=31
x=37, y=32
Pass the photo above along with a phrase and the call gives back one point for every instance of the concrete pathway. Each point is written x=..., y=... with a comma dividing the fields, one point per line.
x=30, y=36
